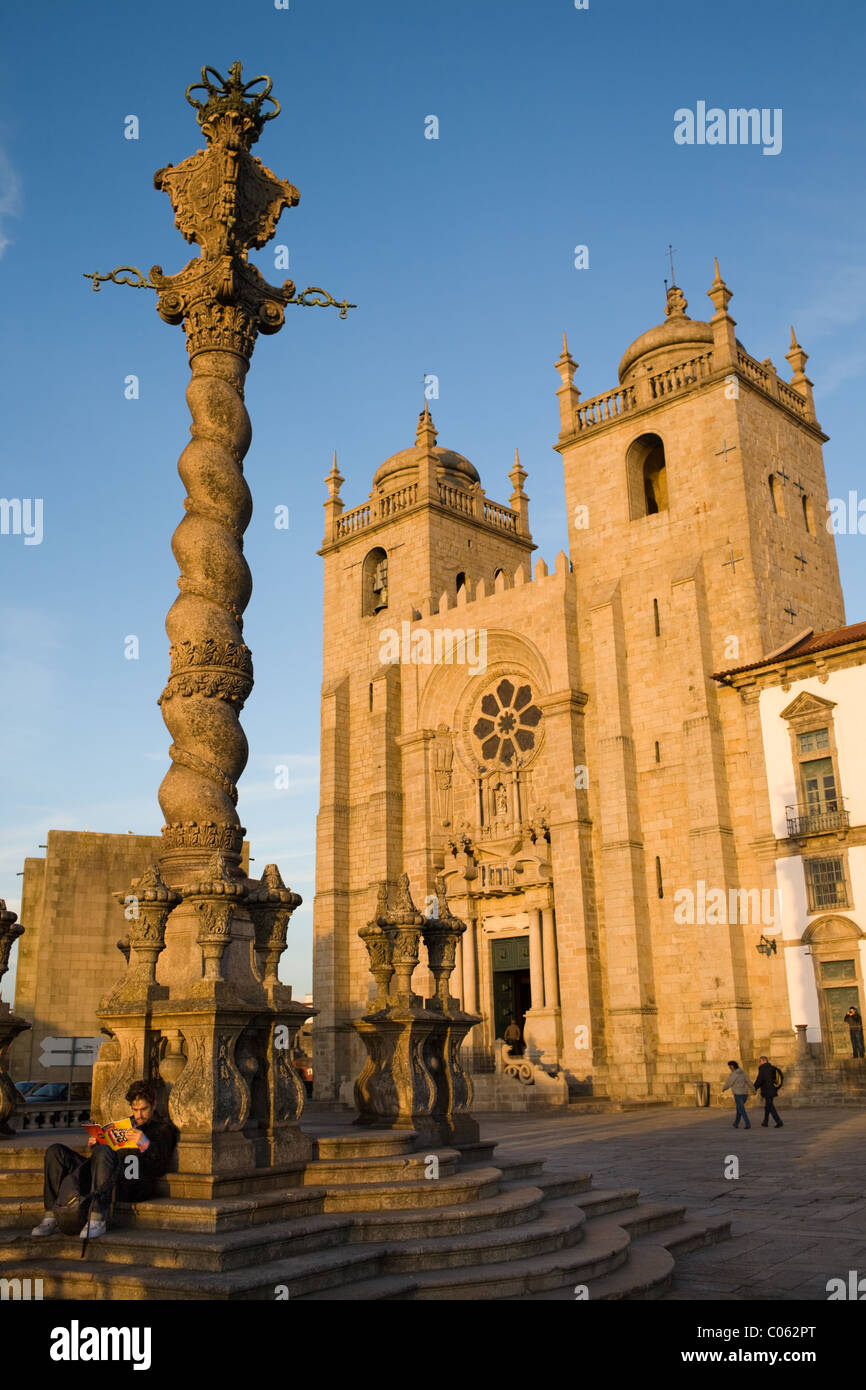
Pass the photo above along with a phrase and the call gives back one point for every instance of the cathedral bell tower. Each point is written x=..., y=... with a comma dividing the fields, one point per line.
x=696, y=499
x=427, y=536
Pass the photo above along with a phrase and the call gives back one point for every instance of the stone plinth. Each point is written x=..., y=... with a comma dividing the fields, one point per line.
x=414, y=1077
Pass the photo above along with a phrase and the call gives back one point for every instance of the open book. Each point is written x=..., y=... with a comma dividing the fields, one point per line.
x=117, y=1136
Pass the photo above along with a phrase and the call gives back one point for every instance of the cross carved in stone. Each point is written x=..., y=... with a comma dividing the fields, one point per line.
x=725, y=449
x=733, y=562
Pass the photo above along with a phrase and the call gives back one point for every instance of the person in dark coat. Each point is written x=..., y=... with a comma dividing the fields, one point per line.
x=102, y=1173
x=765, y=1082
x=855, y=1023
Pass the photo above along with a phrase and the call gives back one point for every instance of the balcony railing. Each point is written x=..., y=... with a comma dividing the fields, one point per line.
x=815, y=820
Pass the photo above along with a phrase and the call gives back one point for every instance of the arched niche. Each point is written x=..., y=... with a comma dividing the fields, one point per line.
x=647, y=476
x=374, y=582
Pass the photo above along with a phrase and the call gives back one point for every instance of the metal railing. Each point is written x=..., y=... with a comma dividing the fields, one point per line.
x=815, y=820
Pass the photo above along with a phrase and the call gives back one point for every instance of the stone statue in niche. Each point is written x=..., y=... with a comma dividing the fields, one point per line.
x=500, y=801
x=380, y=585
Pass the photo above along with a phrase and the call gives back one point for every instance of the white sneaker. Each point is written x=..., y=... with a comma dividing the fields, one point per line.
x=94, y=1228
x=47, y=1226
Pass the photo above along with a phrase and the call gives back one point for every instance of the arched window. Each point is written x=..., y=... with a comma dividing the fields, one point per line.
x=374, y=582
x=808, y=515
x=776, y=495
x=646, y=470
x=460, y=581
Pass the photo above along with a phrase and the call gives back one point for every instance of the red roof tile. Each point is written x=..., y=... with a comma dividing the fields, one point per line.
x=805, y=645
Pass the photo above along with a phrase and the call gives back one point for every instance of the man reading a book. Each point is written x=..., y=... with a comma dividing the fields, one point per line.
x=151, y=1141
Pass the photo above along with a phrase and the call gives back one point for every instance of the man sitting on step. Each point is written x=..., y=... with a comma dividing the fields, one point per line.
x=102, y=1173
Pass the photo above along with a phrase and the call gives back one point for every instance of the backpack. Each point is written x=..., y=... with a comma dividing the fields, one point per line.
x=71, y=1210
x=778, y=1079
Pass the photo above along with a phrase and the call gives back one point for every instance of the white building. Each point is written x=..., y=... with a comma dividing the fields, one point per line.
x=805, y=708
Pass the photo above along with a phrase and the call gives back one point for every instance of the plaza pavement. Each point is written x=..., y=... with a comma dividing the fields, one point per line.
x=797, y=1209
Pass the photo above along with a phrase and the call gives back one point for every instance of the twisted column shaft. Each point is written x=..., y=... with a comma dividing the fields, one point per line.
x=211, y=667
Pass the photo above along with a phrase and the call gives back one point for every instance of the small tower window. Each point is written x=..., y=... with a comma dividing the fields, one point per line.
x=374, y=582
x=659, y=884
x=646, y=470
x=460, y=581
x=658, y=752
x=776, y=495
x=808, y=515
x=656, y=622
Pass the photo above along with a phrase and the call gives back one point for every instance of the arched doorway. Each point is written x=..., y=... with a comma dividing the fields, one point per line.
x=835, y=948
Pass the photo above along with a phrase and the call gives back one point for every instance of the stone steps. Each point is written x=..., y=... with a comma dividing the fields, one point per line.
x=91, y=1278
x=514, y=1205
x=380, y=1168
x=647, y=1274
x=604, y=1200
x=600, y=1252
x=690, y=1235
x=367, y=1144
x=187, y=1250
x=365, y=1223
x=439, y=1192
x=548, y=1233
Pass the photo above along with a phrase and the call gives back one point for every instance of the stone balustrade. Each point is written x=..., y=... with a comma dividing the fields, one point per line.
x=456, y=499
x=606, y=406
x=611, y=405
x=681, y=377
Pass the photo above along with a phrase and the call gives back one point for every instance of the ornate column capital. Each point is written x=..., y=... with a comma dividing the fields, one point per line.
x=226, y=201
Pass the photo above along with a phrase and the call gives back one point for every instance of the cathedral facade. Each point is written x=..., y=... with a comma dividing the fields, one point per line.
x=557, y=748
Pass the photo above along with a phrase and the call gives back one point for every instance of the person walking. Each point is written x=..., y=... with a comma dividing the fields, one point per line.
x=741, y=1088
x=855, y=1023
x=765, y=1082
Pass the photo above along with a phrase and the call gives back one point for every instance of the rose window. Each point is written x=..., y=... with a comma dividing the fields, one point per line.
x=507, y=724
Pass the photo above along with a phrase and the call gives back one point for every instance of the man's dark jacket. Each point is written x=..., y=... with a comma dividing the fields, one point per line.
x=153, y=1162
x=765, y=1081
x=854, y=1020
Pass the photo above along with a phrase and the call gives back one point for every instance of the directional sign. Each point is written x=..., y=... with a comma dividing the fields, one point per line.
x=71, y=1052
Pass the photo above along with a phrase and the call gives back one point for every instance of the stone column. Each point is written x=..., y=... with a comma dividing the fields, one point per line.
x=470, y=976
x=536, y=968
x=551, y=974
x=204, y=990
x=543, y=1028
x=458, y=986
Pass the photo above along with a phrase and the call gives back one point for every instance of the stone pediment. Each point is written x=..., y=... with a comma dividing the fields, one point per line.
x=806, y=706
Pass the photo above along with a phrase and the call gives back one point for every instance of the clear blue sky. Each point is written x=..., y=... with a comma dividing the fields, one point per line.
x=556, y=128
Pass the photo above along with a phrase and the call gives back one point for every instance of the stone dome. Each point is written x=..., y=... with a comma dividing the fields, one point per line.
x=678, y=338
x=402, y=467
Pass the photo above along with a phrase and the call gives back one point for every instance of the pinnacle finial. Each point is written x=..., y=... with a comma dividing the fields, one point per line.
x=718, y=292
x=566, y=356
x=797, y=357
x=426, y=431
x=334, y=479
x=518, y=474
